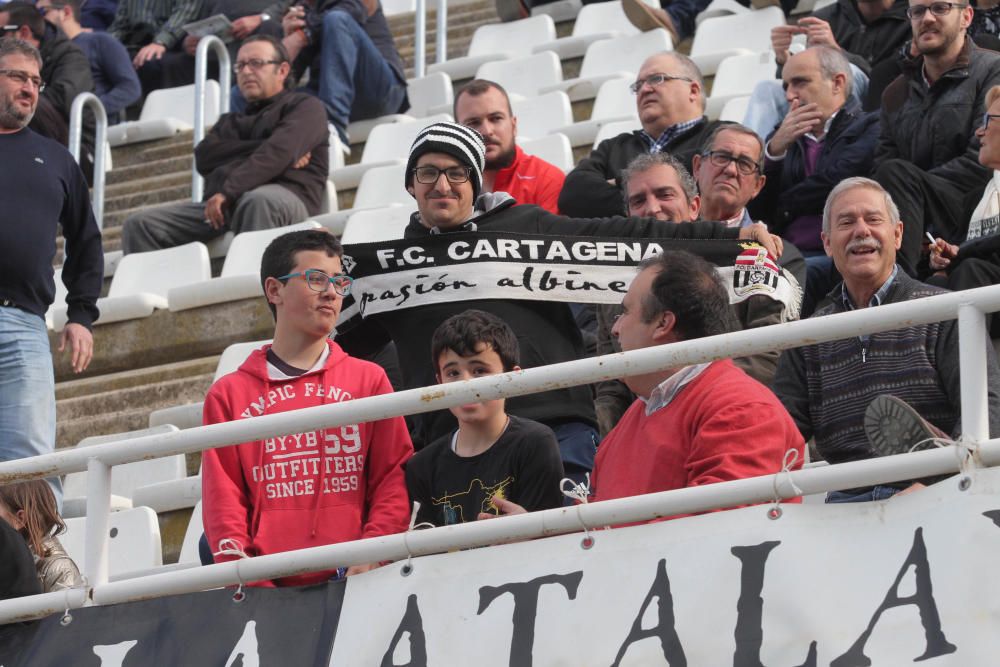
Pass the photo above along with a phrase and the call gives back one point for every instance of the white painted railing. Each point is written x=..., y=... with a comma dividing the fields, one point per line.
x=100, y=145
x=200, y=79
x=968, y=306
x=420, y=36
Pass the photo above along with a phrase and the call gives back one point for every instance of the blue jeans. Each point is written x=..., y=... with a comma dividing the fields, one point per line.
x=875, y=493
x=577, y=449
x=27, y=389
x=768, y=106
x=355, y=80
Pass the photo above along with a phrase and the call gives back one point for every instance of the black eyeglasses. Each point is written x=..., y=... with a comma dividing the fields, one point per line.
x=986, y=119
x=23, y=77
x=744, y=165
x=429, y=174
x=655, y=80
x=319, y=281
x=254, y=64
x=917, y=12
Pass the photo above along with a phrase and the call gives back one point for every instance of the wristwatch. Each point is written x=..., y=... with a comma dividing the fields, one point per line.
x=264, y=16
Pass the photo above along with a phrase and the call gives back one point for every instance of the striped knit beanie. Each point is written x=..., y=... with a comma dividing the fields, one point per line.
x=460, y=142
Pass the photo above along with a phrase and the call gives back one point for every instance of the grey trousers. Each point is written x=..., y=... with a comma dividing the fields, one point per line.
x=266, y=207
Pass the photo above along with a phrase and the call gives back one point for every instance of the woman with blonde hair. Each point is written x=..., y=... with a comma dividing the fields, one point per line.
x=30, y=508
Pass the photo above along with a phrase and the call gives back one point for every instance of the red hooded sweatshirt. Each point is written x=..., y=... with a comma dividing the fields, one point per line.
x=308, y=489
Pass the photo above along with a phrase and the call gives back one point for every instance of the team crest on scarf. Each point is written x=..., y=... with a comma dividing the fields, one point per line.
x=755, y=273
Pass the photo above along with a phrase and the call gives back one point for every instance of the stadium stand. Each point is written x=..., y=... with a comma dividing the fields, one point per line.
x=152, y=373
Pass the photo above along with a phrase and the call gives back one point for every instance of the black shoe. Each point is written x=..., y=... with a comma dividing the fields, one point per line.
x=894, y=427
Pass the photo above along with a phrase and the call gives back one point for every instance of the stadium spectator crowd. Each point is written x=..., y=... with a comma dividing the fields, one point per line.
x=883, y=131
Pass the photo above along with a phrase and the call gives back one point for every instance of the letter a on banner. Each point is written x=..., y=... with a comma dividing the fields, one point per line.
x=246, y=648
x=937, y=644
x=664, y=629
x=412, y=625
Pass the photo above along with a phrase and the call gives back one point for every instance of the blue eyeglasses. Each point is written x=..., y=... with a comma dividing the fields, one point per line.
x=319, y=281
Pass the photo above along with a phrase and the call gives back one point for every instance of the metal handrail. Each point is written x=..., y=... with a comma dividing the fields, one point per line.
x=100, y=146
x=200, y=78
x=968, y=306
x=420, y=36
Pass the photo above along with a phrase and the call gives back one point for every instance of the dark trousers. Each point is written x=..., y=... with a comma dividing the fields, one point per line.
x=972, y=273
x=926, y=203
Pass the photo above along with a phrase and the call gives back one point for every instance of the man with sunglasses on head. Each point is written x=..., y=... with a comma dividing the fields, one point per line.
x=670, y=101
x=326, y=485
x=926, y=155
x=41, y=190
x=263, y=168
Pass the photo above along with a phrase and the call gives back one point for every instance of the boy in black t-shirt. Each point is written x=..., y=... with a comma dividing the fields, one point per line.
x=492, y=454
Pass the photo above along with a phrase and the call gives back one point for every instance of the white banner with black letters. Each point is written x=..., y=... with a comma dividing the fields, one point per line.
x=408, y=273
x=906, y=581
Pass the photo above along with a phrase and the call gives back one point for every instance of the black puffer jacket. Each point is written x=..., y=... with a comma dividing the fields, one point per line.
x=866, y=45
x=934, y=127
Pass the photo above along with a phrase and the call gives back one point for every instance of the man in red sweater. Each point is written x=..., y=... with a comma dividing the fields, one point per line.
x=306, y=489
x=484, y=106
x=692, y=425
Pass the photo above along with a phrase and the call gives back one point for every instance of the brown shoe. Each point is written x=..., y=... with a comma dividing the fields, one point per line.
x=646, y=18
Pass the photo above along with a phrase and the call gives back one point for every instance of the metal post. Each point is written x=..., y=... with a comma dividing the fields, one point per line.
x=200, y=77
x=420, y=39
x=100, y=145
x=972, y=342
x=441, y=41
x=95, y=554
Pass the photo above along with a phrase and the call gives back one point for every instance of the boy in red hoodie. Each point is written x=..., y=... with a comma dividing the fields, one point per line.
x=306, y=489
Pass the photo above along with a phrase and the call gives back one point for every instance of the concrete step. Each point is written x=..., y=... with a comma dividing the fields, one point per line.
x=181, y=163
x=120, y=402
x=172, y=179
x=148, y=151
x=146, y=199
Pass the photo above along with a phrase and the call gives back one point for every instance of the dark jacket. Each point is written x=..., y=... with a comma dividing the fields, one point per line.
x=546, y=331
x=848, y=150
x=587, y=193
x=65, y=70
x=866, y=45
x=934, y=128
x=246, y=150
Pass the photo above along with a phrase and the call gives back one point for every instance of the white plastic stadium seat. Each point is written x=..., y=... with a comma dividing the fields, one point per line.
x=189, y=415
x=393, y=7
x=620, y=57
x=735, y=109
x=240, y=277
x=165, y=113
x=719, y=8
x=596, y=21
x=381, y=224
x=192, y=536
x=615, y=102
x=126, y=478
x=134, y=541
x=609, y=130
x=387, y=144
x=142, y=281
x=736, y=77
x=525, y=75
x=498, y=41
x=553, y=148
x=726, y=36
x=426, y=95
x=379, y=187
x=542, y=115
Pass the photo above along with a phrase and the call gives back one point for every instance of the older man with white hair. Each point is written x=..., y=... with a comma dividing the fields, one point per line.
x=875, y=394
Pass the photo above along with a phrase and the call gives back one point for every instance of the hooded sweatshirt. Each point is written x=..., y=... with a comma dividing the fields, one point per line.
x=308, y=489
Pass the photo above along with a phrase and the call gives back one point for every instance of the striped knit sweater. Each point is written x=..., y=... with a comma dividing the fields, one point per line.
x=826, y=387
